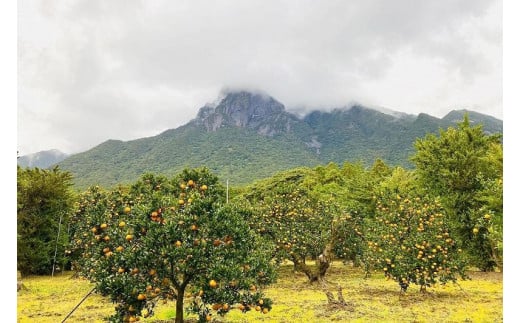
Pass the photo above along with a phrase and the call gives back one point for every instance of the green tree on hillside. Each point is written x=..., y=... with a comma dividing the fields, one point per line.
x=459, y=165
x=43, y=197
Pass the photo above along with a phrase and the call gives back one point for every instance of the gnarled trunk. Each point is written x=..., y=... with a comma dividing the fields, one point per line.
x=323, y=265
x=304, y=268
x=330, y=297
x=324, y=261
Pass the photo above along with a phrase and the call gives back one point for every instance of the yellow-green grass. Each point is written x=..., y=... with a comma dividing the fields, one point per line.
x=50, y=299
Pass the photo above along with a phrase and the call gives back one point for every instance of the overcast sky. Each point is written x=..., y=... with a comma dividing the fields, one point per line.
x=93, y=70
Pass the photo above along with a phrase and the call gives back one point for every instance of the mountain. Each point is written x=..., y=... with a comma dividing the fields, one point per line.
x=248, y=136
x=258, y=112
x=42, y=159
x=492, y=125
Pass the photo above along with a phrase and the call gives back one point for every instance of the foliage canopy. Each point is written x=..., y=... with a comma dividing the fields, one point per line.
x=167, y=239
x=44, y=199
x=463, y=166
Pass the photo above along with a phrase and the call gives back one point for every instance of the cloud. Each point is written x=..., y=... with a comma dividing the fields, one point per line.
x=91, y=70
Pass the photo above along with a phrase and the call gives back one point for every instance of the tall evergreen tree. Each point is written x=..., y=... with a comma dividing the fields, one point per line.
x=44, y=197
x=458, y=166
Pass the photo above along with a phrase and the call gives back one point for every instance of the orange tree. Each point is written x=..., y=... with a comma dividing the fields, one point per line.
x=163, y=240
x=300, y=227
x=302, y=222
x=410, y=240
x=488, y=219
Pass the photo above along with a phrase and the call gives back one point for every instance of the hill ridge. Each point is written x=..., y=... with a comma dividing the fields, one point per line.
x=247, y=136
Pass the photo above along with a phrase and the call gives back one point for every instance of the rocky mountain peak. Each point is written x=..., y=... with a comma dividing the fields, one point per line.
x=246, y=110
x=244, y=107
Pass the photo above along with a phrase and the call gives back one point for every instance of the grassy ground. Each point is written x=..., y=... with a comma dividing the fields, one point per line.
x=48, y=299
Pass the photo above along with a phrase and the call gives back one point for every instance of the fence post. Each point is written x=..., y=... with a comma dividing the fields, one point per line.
x=56, y=248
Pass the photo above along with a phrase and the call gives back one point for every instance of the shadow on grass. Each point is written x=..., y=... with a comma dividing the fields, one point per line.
x=411, y=298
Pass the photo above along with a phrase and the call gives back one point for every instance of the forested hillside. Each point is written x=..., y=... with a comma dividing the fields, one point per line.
x=251, y=136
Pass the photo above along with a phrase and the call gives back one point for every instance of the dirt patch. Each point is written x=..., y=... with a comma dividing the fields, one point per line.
x=486, y=275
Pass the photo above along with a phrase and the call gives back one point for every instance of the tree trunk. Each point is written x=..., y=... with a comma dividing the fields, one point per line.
x=19, y=278
x=332, y=301
x=324, y=260
x=179, y=305
x=323, y=265
x=302, y=267
x=497, y=258
x=330, y=297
